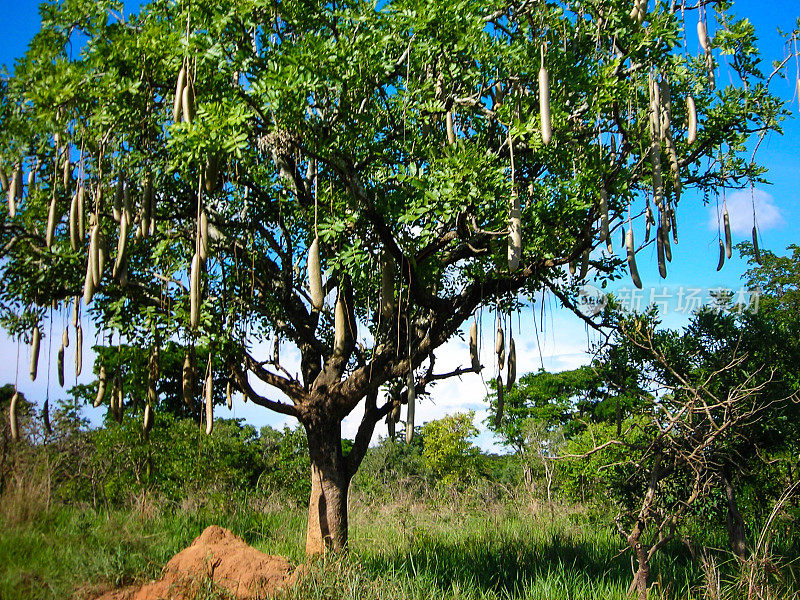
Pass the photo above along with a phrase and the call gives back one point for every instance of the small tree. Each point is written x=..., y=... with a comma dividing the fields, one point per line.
x=711, y=399
x=542, y=446
x=447, y=450
x=544, y=401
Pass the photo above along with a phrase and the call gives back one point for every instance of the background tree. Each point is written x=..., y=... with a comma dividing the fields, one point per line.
x=774, y=330
x=551, y=400
x=131, y=365
x=25, y=412
x=428, y=159
x=717, y=393
x=544, y=409
x=447, y=449
x=542, y=446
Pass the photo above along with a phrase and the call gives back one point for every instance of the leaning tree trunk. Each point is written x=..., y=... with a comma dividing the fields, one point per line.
x=330, y=483
x=642, y=552
x=734, y=521
x=641, y=577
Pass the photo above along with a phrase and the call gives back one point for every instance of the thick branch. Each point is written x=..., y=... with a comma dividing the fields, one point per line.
x=279, y=407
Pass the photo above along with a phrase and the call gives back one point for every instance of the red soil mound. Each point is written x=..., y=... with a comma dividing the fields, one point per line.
x=220, y=557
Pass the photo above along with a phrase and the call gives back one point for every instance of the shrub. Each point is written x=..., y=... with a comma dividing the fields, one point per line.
x=389, y=467
x=447, y=451
x=286, y=463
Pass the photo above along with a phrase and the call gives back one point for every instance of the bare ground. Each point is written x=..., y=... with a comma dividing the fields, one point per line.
x=218, y=557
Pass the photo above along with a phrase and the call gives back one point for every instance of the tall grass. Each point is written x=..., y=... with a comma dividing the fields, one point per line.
x=419, y=551
x=443, y=548
x=57, y=552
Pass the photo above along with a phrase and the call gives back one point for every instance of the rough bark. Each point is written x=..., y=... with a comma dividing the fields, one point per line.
x=642, y=552
x=642, y=576
x=327, y=511
x=642, y=555
x=330, y=483
x=332, y=471
x=734, y=521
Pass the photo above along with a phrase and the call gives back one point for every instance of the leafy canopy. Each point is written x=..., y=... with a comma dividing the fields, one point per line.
x=332, y=121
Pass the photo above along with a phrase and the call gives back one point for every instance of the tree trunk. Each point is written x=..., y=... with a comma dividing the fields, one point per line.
x=640, y=550
x=549, y=470
x=642, y=555
x=642, y=576
x=330, y=483
x=527, y=474
x=734, y=521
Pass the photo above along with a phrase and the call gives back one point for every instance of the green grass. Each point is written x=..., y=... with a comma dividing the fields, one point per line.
x=503, y=553
x=403, y=551
x=50, y=553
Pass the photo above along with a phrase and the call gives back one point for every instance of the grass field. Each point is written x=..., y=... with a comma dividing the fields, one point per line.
x=401, y=550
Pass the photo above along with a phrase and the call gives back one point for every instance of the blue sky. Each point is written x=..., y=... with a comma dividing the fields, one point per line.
x=563, y=342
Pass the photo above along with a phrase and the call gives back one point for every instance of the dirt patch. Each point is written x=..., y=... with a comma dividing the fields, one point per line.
x=220, y=558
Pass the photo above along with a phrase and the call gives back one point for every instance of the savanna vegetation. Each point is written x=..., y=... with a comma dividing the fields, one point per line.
x=595, y=457
x=302, y=203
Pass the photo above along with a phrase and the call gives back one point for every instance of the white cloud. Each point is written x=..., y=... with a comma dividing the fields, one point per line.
x=740, y=208
x=561, y=345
